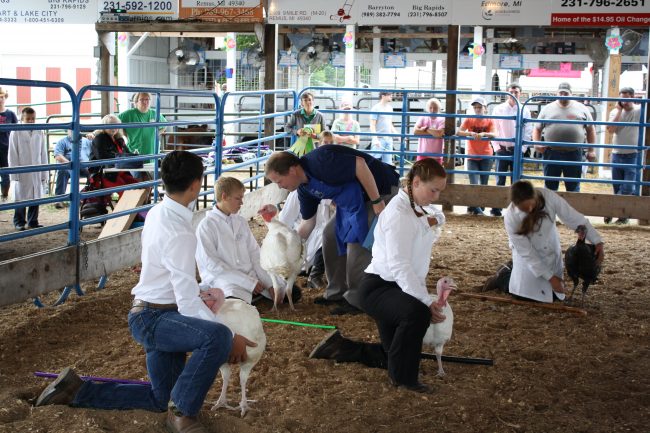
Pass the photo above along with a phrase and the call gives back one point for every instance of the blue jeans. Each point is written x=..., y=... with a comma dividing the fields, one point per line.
x=62, y=178
x=556, y=170
x=623, y=173
x=166, y=336
x=504, y=164
x=384, y=144
x=479, y=165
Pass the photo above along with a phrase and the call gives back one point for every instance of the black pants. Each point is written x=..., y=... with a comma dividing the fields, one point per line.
x=318, y=268
x=32, y=216
x=402, y=321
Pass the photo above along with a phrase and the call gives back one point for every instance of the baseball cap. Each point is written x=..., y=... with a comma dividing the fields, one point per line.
x=479, y=100
x=346, y=105
x=629, y=90
x=566, y=87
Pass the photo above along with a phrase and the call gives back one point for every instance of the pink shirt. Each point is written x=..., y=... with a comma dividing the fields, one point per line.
x=427, y=144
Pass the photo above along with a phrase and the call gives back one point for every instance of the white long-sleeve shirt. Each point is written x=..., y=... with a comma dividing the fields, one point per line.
x=507, y=128
x=401, y=251
x=228, y=255
x=536, y=257
x=168, y=273
x=27, y=148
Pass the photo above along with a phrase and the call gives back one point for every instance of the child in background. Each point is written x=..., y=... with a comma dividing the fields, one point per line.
x=326, y=138
x=6, y=116
x=27, y=148
x=430, y=126
x=479, y=129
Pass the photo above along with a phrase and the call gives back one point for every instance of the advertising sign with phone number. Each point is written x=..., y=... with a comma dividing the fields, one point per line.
x=48, y=11
x=600, y=13
x=141, y=10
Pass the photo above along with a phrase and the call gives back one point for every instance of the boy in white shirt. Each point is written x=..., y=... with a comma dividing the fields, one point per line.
x=27, y=148
x=227, y=253
x=168, y=318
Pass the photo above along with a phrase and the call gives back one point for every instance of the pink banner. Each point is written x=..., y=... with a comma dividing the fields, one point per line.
x=564, y=72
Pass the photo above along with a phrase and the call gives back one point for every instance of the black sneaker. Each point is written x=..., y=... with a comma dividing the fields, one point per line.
x=607, y=220
x=622, y=221
x=496, y=212
x=322, y=300
x=346, y=308
x=328, y=346
x=418, y=387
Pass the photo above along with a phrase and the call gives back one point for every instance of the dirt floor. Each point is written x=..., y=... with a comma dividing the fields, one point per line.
x=553, y=372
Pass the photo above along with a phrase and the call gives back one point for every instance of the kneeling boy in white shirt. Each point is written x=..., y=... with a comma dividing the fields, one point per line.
x=227, y=253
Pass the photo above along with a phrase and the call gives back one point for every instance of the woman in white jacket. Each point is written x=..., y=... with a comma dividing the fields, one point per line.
x=537, y=265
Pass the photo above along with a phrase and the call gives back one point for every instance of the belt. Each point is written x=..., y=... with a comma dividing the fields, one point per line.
x=139, y=305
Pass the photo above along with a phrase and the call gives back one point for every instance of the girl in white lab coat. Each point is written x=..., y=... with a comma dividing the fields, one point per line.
x=537, y=265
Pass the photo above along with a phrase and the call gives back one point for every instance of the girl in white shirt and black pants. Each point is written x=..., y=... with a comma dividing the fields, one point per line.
x=393, y=290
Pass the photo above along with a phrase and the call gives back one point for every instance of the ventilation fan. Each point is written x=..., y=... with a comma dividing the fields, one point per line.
x=597, y=51
x=252, y=57
x=313, y=56
x=183, y=60
x=631, y=40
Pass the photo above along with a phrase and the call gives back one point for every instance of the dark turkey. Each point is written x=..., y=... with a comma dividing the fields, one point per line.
x=501, y=280
x=580, y=263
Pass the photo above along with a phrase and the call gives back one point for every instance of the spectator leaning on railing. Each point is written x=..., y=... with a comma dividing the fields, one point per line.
x=624, y=111
x=575, y=132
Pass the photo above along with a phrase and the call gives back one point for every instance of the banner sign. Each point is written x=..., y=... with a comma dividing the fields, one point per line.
x=48, y=11
x=562, y=13
x=129, y=10
x=361, y=12
x=222, y=11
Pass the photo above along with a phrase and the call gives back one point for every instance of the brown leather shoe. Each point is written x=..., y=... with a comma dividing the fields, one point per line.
x=183, y=424
x=62, y=390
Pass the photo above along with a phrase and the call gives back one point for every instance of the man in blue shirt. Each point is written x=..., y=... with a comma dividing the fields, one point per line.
x=63, y=155
x=359, y=185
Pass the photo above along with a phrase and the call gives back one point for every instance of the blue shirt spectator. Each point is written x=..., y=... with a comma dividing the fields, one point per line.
x=62, y=155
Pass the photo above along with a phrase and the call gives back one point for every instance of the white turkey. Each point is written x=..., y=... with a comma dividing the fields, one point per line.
x=243, y=319
x=440, y=333
x=281, y=255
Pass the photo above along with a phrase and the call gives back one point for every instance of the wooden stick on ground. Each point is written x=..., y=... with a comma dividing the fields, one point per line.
x=572, y=310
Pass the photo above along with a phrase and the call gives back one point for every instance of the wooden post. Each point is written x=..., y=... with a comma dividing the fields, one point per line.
x=613, y=82
x=105, y=72
x=450, y=101
x=269, y=79
x=645, y=175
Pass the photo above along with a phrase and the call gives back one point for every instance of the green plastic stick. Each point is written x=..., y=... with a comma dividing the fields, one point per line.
x=308, y=325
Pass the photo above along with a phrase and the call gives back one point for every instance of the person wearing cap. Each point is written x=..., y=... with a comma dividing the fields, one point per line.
x=382, y=122
x=345, y=123
x=557, y=134
x=506, y=128
x=479, y=130
x=624, y=111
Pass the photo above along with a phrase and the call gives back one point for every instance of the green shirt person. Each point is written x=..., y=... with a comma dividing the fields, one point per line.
x=141, y=140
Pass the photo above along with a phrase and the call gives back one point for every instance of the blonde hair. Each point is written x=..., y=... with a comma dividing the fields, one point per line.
x=327, y=134
x=434, y=101
x=4, y=92
x=228, y=186
x=110, y=119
